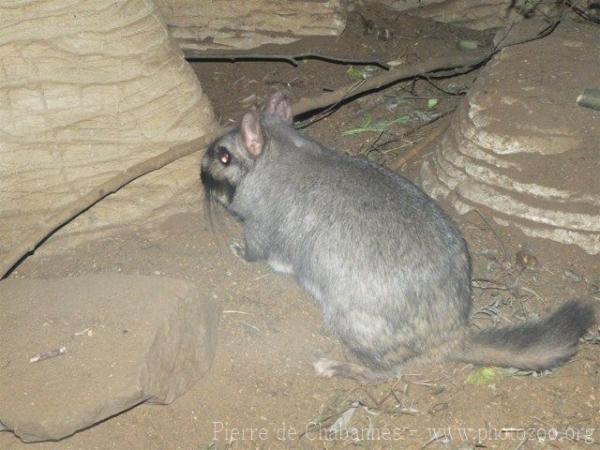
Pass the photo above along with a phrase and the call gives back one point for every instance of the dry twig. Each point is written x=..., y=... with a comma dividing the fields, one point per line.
x=193, y=56
x=420, y=146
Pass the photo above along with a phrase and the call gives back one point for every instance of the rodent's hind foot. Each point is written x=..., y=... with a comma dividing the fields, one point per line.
x=328, y=368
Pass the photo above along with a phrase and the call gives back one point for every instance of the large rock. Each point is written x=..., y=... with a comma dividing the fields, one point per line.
x=520, y=148
x=126, y=340
x=240, y=24
x=87, y=89
x=475, y=14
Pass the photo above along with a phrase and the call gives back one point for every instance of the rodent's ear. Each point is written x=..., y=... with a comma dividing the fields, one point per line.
x=280, y=106
x=252, y=136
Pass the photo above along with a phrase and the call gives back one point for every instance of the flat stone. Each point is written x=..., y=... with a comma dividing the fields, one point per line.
x=118, y=340
x=520, y=149
x=240, y=24
x=475, y=14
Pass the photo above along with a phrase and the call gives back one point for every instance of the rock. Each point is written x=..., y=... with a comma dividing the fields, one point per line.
x=124, y=340
x=240, y=24
x=476, y=14
x=89, y=89
x=520, y=148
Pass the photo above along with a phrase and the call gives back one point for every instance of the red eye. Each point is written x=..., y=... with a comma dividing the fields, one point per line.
x=223, y=155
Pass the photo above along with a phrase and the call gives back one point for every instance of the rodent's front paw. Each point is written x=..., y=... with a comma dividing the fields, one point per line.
x=239, y=250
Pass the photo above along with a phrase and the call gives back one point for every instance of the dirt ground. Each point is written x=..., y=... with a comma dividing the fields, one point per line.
x=262, y=392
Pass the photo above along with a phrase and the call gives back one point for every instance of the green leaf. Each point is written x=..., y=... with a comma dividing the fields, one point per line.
x=483, y=375
x=356, y=74
x=468, y=45
x=432, y=103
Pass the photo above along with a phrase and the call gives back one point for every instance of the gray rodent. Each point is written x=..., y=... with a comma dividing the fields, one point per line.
x=388, y=267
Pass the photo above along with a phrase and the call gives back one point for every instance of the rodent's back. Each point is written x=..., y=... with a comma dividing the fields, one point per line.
x=369, y=205
x=351, y=227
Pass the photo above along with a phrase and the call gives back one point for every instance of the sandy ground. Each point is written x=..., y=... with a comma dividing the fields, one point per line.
x=261, y=392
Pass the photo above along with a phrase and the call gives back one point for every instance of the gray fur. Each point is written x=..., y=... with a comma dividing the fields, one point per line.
x=389, y=269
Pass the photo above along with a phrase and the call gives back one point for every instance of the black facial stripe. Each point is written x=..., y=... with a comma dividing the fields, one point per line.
x=217, y=187
x=211, y=150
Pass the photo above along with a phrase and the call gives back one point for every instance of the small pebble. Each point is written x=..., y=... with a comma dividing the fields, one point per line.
x=574, y=276
x=526, y=260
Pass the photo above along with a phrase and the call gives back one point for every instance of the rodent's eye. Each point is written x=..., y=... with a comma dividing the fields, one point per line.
x=224, y=156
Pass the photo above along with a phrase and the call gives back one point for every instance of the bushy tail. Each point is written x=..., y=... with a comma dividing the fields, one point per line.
x=539, y=345
x=532, y=346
